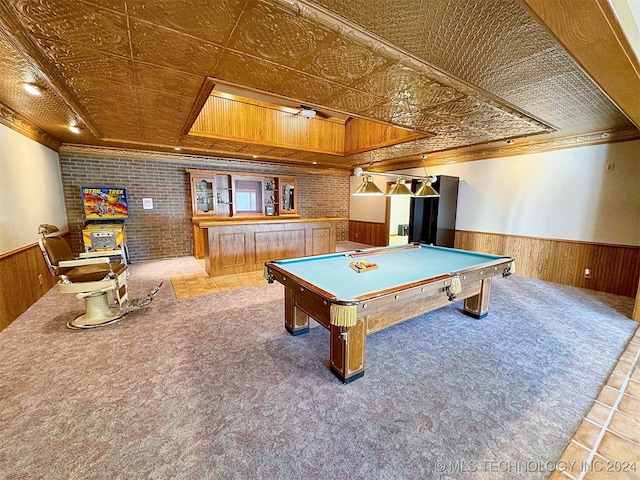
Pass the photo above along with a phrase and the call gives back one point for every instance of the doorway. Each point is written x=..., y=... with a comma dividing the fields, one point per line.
x=398, y=215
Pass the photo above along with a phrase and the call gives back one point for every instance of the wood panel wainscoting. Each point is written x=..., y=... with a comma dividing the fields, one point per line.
x=370, y=233
x=21, y=272
x=232, y=247
x=613, y=268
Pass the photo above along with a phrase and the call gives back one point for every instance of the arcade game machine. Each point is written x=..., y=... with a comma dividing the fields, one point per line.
x=105, y=210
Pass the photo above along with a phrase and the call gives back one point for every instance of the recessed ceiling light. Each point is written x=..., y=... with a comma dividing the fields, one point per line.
x=255, y=156
x=177, y=149
x=75, y=129
x=32, y=89
x=511, y=141
x=314, y=163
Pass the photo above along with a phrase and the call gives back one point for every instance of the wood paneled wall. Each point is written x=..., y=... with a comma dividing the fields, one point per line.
x=636, y=309
x=235, y=120
x=371, y=233
x=614, y=268
x=20, y=285
x=363, y=135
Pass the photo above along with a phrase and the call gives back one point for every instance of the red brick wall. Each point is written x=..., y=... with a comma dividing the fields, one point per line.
x=165, y=231
x=325, y=196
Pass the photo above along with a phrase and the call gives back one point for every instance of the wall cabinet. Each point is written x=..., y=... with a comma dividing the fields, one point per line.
x=233, y=195
x=224, y=194
x=211, y=193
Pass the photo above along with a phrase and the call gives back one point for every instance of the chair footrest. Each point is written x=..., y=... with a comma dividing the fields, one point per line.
x=138, y=303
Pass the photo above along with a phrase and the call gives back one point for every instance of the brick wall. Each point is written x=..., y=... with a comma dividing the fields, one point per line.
x=325, y=196
x=165, y=231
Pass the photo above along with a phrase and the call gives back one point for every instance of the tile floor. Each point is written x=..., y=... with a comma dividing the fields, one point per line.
x=196, y=284
x=607, y=443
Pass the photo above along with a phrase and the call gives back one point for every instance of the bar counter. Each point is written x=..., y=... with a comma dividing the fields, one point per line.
x=243, y=244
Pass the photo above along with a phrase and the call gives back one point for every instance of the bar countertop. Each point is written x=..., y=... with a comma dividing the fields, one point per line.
x=208, y=222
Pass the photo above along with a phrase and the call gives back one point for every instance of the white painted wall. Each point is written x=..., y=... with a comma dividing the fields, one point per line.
x=565, y=194
x=398, y=212
x=30, y=190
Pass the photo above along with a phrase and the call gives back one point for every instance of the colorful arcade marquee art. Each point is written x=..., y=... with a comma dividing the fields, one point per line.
x=104, y=203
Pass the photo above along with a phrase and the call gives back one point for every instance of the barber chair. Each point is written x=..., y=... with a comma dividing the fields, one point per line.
x=90, y=277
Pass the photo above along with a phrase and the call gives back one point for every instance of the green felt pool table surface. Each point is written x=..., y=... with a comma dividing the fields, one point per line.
x=397, y=266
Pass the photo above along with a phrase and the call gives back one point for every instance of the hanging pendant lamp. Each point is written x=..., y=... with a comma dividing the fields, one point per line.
x=426, y=190
x=399, y=188
x=367, y=187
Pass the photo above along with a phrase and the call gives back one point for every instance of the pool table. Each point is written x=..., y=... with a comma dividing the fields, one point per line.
x=357, y=293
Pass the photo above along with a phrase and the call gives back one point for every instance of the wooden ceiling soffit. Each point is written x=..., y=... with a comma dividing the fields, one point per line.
x=235, y=118
x=21, y=125
x=363, y=135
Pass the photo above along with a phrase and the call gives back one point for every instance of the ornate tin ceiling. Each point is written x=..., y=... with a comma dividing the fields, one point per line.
x=466, y=73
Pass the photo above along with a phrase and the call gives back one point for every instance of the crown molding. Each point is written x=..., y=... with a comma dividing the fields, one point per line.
x=20, y=124
x=520, y=147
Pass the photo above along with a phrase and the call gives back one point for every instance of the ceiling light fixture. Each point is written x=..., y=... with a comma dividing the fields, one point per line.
x=32, y=89
x=426, y=190
x=75, y=129
x=307, y=112
x=399, y=189
x=367, y=187
x=177, y=149
x=511, y=141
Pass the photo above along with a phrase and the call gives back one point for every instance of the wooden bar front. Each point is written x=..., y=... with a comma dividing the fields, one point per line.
x=238, y=246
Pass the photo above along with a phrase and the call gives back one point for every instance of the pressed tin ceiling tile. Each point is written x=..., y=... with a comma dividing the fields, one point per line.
x=47, y=112
x=469, y=72
x=103, y=90
x=277, y=35
x=493, y=44
x=407, y=86
x=167, y=80
x=459, y=36
x=119, y=6
x=345, y=62
x=176, y=104
x=168, y=48
x=213, y=23
x=76, y=23
x=263, y=75
x=76, y=64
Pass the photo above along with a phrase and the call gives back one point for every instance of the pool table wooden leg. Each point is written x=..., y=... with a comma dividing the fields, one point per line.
x=478, y=305
x=347, y=351
x=295, y=321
